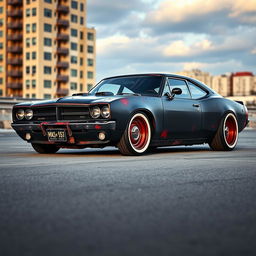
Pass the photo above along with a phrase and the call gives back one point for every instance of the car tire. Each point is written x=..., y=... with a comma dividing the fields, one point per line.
x=45, y=148
x=136, y=138
x=227, y=134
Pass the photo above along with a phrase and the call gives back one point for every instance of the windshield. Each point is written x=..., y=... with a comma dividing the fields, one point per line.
x=142, y=85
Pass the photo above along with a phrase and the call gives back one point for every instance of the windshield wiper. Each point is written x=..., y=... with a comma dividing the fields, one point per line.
x=129, y=93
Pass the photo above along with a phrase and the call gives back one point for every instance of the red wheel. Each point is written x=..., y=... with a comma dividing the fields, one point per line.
x=230, y=130
x=136, y=137
x=227, y=134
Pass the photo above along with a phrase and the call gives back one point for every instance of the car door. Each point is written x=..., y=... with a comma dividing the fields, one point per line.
x=182, y=114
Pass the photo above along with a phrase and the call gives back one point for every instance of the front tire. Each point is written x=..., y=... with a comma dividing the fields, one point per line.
x=227, y=134
x=137, y=136
x=45, y=148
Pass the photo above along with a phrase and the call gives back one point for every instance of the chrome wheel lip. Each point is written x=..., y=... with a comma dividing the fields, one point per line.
x=135, y=143
x=227, y=130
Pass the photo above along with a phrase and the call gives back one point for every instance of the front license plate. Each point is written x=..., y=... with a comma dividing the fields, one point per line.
x=58, y=135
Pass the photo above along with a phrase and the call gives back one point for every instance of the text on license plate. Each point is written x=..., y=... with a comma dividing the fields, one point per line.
x=56, y=134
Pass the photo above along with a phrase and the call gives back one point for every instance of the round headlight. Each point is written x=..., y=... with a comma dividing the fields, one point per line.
x=95, y=112
x=20, y=114
x=105, y=112
x=29, y=114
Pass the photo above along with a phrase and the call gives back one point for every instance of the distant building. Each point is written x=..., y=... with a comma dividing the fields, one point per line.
x=221, y=84
x=242, y=83
x=234, y=84
x=46, y=50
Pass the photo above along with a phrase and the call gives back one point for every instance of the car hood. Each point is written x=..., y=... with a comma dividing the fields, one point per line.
x=76, y=100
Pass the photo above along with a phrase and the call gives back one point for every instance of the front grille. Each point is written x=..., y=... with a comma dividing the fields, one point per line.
x=73, y=113
x=44, y=114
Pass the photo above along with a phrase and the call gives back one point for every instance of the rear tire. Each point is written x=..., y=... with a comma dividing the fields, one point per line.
x=227, y=134
x=136, y=137
x=45, y=148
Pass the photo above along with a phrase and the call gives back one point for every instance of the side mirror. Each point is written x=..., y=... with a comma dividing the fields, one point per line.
x=175, y=91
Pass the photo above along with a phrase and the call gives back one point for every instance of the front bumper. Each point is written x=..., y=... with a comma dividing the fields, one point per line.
x=86, y=133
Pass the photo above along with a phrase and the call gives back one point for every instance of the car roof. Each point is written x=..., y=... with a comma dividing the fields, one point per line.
x=167, y=75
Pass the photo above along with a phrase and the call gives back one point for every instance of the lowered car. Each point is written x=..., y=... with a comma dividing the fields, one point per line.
x=135, y=113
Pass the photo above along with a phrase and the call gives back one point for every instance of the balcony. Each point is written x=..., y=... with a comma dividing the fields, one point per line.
x=14, y=2
x=63, y=37
x=14, y=73
x=14, y=62
x=62, y=64
x=14, y=49
x=14, y=25
x=63, y=9
x=14, y=13
x=62, y=51
x=63, y=23
x=15, y=86
x=14, y=37
x=62, y=92
x=62, y=78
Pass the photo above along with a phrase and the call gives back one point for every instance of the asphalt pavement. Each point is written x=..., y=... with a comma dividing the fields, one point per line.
x=176, y=201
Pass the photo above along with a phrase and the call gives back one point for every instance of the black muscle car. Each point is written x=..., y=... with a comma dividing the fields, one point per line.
x=134, y=113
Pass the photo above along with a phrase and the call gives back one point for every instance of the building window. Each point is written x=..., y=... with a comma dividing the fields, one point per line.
x=81, y=35
x=33, y=11
x=1, y=57
x=81, y=21
x=81, y=7
x=47, y=83
x=73, y=86
x=73, y=18
x=73, y=59
x=1, y=92
x=47, y=13
x=73, y=32
x=47, y=56
x=27, y=95
x=74, y=4
x=90, y=49
x=34, y=27
x=28, y=12
x=1, y=33
x=90, y=62
x=33, y=55
x=33, y=40
x=27, y=84
x=47, y=41
x=90, y=36
x=47, y=70
x=1, y=22
x=47, y=96
x=27, y=42
x=90, y=75
x=81, y=48
x=81, y=74
x=27, y=28
x=89, y=86
x=1, y=45
x=81, y=61
x=47, y=27
x=28, y=1
x=73, y=72
x=33, y=70
x=48, y=1
x=1, y=80
x=74, y=46
x=27, y=55
x=27, y=69
x=33, y=95
x=33, y=83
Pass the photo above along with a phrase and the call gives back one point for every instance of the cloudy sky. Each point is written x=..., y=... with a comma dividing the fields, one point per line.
x=133, y=36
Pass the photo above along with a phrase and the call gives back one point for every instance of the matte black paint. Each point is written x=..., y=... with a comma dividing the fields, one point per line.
x=174, y=122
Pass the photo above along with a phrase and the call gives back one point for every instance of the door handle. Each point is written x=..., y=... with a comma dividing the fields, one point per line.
x=196, y=105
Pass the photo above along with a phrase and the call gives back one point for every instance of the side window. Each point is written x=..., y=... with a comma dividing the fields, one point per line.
x=195, y=91
x=177, y=83
x=166, y=89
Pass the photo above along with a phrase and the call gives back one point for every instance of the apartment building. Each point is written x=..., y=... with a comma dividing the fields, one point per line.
x=46, y=50
x=221, y=84
x=242, y=83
